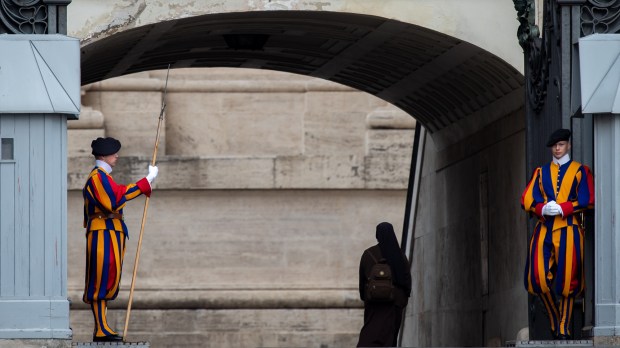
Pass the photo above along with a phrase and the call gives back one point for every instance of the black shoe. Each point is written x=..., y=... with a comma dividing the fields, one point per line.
x=564, y=337
x=110, y=338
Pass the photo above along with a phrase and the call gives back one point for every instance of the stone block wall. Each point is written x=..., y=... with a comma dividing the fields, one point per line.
x=270, y=188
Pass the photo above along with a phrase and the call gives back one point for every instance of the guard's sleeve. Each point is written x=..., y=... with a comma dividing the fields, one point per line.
x=112, y=197
x=585, y=193
x=532, y=199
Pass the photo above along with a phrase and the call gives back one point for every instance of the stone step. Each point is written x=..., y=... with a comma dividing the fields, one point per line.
x=110, y=344
x=551, y=344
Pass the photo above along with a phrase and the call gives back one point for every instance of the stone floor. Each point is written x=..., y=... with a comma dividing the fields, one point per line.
x=110, y=344
x=559, y=343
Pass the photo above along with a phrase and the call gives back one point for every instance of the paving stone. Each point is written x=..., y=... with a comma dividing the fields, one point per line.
x=110, y=344
x=559, y=343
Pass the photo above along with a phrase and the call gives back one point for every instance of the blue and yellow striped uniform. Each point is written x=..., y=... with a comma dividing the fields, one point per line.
x=556, y=245
x=105, y=239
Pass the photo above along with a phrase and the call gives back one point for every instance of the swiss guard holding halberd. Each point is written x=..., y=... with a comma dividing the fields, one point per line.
x=106, y=232
x=557, y=193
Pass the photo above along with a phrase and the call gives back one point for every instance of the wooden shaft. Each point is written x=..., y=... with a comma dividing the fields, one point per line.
x=135, y=265
x=146, y=208
x=135, y=269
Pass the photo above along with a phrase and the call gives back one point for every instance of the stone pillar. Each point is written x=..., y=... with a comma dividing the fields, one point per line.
x=39, y=90
x=600, y=78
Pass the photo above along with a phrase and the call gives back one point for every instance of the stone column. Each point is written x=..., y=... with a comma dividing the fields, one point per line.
x=39, y=90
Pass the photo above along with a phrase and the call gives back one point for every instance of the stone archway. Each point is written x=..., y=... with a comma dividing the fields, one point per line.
x=438, y=79
x=466, y=97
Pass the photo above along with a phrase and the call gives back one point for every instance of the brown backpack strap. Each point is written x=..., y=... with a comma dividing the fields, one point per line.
x=374, y=258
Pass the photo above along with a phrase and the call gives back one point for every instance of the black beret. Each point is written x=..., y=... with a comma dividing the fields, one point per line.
x=559, y=135
x=105, y=146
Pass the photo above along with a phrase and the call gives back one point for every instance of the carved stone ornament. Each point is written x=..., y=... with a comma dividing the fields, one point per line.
x=600, y=17
x=23, y=17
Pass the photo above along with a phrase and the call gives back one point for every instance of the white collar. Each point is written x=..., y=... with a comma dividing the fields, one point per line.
x=104, y=166
x=562, y=160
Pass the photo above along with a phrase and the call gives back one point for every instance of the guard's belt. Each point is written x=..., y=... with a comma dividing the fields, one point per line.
x=106, y=216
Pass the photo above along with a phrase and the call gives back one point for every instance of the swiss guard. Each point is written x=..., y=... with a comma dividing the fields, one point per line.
x=557, y=194
x=106, y=232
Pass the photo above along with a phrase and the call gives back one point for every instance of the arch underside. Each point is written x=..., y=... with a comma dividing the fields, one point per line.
x=436, y=78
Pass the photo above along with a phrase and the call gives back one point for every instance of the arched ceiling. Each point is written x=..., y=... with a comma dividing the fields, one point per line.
x=436, y=78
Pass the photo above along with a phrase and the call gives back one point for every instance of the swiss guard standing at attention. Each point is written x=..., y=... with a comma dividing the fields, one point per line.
x=106, y=231
x=556, y=194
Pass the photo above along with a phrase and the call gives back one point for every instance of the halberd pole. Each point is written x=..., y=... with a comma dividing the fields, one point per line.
x=146, y=208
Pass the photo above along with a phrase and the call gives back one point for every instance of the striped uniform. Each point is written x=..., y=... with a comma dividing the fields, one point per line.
x=105, y=240
x=556, y=245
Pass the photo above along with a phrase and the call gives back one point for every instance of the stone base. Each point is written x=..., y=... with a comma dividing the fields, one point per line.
x=30, y=343
x=110, y=344
x=220, y=328
x=558, y=343
x=609, y=341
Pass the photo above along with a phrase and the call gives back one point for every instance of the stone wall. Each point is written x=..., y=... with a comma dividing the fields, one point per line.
x=470, y=241
x=270, y=188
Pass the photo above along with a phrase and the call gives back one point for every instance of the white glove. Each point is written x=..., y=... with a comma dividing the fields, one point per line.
x=551, y=209
x=152, y=173
x=557, y=209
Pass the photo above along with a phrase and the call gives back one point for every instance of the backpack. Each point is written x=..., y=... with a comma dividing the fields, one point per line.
x=379, y=287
